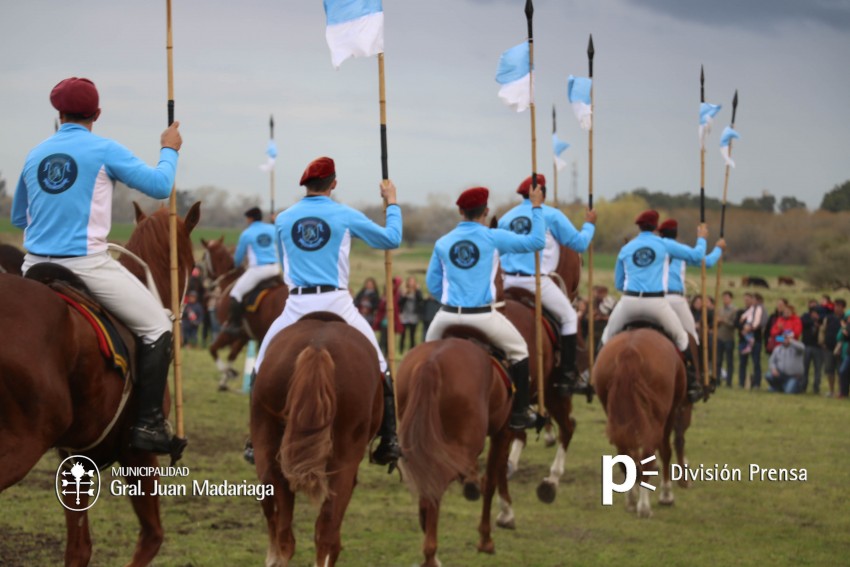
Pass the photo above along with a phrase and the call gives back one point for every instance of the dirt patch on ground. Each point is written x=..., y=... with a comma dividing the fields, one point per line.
x=18, y=548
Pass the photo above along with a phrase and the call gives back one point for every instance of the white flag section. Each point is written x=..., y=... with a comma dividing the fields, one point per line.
x=271, y=151
x=514, y=74
x=578, y=93
x=559, y=163
x=355, y=29
x=706, y=113
x=558, y=147
x=725, y=140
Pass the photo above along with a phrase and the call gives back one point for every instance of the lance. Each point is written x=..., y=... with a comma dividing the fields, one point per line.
x=538, y=305
x=722, y=227
x=704, y=295
x=591, y=343
x=554, y=165
x=172, y=229
x=271, y=170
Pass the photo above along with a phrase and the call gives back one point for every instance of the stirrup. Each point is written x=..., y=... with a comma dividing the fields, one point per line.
x=248, y=452
x=156, y=439
x=387, y=452
x=524, y=419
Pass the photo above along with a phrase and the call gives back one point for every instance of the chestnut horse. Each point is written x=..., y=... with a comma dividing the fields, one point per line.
x=450, y=398
x=57, y=391
x=316, y=404
x=218, y=264
x=11, y=260
x=560, y=409
x=640, y=379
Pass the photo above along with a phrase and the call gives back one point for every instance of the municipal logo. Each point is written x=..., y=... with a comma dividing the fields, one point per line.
x=311, y=233
x=521, y=225
x=643, y=257
x=264, y=241
x=56, y=173
x=464, y=254
x=77, y=483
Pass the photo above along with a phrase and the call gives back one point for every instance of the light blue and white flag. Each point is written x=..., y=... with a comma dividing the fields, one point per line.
x=578, y=93
x=725, y=139
x=558, y=147
x=355, y=29
x=706, y=113
x=271, y=152
x=514, y=74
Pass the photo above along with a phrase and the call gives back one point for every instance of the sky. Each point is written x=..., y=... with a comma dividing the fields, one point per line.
x=237, y=63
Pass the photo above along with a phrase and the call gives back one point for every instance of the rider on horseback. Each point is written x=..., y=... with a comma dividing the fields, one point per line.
x=313, y=239
x=70, y=228
x=461, y=272
x=641, y=275
x=257, y=242
x=519, y=272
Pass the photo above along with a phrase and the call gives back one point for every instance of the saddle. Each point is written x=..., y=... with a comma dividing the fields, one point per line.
x=115, y=341
x=498, y=359
x=254, y=298
x=644, y=324
x=550, y=322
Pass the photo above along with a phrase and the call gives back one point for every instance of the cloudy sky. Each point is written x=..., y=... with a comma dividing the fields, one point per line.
x=238, y=62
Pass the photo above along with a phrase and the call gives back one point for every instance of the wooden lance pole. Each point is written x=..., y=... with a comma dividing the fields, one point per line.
x=554, y=165
x=704, y=295
x=591, y=341
x=388, y=258
x=271, y=171
x=172, y=216
x=720, y=261
x=538, y=304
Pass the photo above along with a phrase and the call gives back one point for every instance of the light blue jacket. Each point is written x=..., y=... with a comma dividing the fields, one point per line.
x=642, y=264
x=676, y=275
x=257, y=242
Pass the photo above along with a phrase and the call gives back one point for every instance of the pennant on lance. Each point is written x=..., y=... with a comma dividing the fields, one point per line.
x=271, y=152
x=355, y=29
x=706, y=113
x=514, y=74
x=578, y=93
x=728, y=135
x=558, y=147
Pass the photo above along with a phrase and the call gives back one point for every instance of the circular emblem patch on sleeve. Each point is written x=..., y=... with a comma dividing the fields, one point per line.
x=643, y=257
x=310, y=233
x=464, y=254
x=521, y=225
x=264, y=241
x=56, y=173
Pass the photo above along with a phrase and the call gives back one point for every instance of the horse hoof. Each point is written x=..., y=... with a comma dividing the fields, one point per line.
x=223, y=388
x=471, y=491
x=487, y=547
x=685, y=483
x=231, y=374
x=644, y=513
x=666, y=503
x=506, y=524
x=546, y=491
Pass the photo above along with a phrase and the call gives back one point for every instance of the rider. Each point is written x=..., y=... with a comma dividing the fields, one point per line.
x=313, y=239
x=461, y=273
x=257, y=242
x=63, y=203
x=676, y=277
x=640, y=274
x=519, y=272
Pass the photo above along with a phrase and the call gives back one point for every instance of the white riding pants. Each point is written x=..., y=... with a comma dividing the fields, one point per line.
x=553, y=299
x=652, y=309
x=495, y=326
x=251, y=278
x=683, y=312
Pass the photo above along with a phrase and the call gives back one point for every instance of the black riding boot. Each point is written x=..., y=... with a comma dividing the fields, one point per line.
x=568, y=380
x=388, y=450
x=150, y=432
x=234, y=320
x=522, y=416
x=695, y=388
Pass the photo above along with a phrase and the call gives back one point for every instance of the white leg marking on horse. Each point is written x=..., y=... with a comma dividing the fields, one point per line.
x=549, y=438
x=644, y=508
x=666, y=495
x=556, y=471
x=506, y=514
x=513, y=459
x=631, y=499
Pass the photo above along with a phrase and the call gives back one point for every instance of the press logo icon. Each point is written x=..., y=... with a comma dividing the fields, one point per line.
x=77, y=477
x=609, y=487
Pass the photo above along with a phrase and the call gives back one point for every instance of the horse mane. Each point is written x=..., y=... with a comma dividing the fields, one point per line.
x=630, y=403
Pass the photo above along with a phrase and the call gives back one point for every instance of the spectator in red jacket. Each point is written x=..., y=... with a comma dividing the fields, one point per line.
x=787, y=320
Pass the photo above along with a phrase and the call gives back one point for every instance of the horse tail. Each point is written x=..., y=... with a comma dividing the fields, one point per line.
x=309, y=414
x=630, y=403
x=429, y=459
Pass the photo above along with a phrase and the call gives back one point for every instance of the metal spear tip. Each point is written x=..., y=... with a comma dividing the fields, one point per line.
x=701, y=75
x=529, y=9
x=735, y=100
x=590, y=50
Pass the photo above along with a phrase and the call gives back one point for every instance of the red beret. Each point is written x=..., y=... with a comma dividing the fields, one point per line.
x=472, y=198
x=669, y=224
x=319, y=168
x=647, y=217
x=75, y=96
x=525, y=186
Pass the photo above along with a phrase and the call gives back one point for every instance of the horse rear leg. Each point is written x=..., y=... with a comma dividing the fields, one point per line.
x=517, y=445
x=329, y=522
x=644, y=505
x=429, y=515
x=665, y=497
x=547, y=490
x=146, y=508
x=78, y=546
x=278, y=509
x=680, y=425
x=494, y=477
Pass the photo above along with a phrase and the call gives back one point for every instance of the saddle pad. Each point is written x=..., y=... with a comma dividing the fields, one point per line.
x=503, y=373
x=253, y=300
x=109, y=341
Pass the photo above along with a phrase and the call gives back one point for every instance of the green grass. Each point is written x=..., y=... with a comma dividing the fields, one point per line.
x=736, y=523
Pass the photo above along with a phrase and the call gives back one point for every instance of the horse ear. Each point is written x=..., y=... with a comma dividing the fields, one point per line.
x=494, y=221
x=221, y=240
x=192, y=217
x=140, y=214
x=204, y=243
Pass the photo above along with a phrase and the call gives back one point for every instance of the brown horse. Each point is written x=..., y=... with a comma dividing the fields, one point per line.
x=316, y=404
x=218, y=263
x=450, y=398
x=640, y=379
x=560, y=409
x=57, y=391
x=11, y=260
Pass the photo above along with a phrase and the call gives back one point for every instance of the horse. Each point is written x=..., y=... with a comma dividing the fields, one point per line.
x=451, y=396
x=57, y=391
x=640, y=380
x=316, y=404
x=11, y=260
x=218, y=264
x=560, y=409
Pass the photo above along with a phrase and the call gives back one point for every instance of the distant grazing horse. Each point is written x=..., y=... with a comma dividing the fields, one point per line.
x=785, y=280
x=451, y=397
x=317, y=402
x=754, y=281
x=560, y=409
x=11, y=260
x=640, y=380
x=56, y=390
x=218, y=263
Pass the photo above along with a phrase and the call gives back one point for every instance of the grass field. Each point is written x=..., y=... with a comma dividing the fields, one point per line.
x=713, y=523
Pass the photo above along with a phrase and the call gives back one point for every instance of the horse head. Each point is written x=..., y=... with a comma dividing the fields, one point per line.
x=218, y=260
